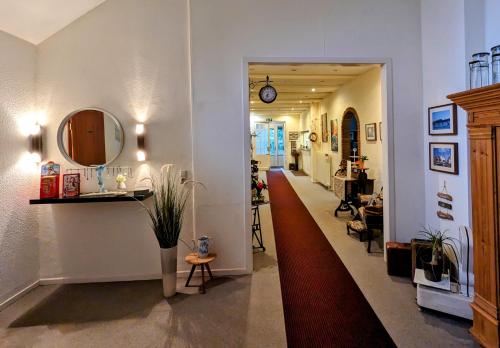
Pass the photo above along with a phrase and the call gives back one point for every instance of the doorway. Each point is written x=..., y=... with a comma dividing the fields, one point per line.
x=350, y=136
x=288, y=104
x=277, y=144
x=269, y=144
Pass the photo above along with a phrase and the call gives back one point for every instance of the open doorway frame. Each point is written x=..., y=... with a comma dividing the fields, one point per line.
x=387, y=144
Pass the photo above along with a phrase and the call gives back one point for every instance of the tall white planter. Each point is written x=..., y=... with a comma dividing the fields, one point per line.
x=169, y=270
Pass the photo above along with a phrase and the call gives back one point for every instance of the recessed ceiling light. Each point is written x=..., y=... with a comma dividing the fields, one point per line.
x=252, y=102
x=293, y=109
x=300, y=101
x=313, y=89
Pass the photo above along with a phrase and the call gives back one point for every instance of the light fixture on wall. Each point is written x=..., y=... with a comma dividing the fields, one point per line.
x=35, y=143
x=140, y=131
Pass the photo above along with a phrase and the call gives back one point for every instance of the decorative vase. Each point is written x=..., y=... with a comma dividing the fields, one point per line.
x=169, y=270
x=203, y=243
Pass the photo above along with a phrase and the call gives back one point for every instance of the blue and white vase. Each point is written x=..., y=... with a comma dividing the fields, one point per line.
x=203, y=243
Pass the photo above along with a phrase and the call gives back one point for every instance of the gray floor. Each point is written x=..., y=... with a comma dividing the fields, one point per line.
x=235, y=312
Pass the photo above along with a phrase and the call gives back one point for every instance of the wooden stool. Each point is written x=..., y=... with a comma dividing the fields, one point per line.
x=193, y=259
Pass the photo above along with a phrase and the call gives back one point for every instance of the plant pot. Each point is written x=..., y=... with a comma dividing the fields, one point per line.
x=432, y=272
x=169, y=270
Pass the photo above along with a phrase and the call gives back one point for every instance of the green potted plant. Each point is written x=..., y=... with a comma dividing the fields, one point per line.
x=433, y=263
x=166, y=214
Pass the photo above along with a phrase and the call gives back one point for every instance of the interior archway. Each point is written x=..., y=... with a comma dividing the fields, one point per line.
x=351, y=144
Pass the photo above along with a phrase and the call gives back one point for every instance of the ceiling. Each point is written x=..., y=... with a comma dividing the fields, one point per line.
x=295, y=83
x=36, y=20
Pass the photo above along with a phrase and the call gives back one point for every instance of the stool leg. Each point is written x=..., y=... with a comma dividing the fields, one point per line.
x=190, y=275
x=202, y=279
x=210, y=272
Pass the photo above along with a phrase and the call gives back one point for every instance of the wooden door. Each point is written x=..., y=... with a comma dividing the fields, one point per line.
x=484, y=160
x=86, y=138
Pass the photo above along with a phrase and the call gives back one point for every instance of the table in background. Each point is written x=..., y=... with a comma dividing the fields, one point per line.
x=343, y=187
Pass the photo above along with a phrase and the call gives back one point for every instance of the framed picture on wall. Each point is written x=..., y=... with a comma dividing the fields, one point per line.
x=71, y=185
x=371, y=131
x=443, y=120
x=443, y=157
x=334, y=128
x=324, y=128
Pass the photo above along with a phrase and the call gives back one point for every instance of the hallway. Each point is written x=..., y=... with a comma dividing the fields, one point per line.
x=392, y=298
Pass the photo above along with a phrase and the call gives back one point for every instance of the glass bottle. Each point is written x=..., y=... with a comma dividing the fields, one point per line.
x=495, y=67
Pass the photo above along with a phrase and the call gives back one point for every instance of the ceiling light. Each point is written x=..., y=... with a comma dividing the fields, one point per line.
x=300, y=101
x=252, y=102
x=313, y=89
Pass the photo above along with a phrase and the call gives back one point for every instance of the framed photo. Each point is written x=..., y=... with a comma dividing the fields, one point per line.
x=371, y=131
x=443, y=120
x=334, y=128
x=71, y=185
x=443, y=157
x=324, y=128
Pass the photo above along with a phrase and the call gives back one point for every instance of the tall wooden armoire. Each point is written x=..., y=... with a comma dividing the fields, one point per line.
x=483, y=108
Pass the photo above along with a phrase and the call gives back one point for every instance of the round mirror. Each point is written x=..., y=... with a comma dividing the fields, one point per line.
x=90, y=137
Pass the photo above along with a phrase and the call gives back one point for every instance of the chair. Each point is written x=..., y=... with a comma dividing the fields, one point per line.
x=370, y=219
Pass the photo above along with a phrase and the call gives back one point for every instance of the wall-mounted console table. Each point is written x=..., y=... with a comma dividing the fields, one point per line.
x=129, y=197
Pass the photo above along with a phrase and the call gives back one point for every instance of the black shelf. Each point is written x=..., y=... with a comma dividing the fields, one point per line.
x=129, y=197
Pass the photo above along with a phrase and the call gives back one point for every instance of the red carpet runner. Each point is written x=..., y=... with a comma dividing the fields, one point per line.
x=323, y=306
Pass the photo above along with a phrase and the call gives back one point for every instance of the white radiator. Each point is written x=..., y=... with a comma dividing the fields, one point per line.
x=323, y=169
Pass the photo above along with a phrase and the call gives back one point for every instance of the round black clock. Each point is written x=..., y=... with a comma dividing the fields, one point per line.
x=268, y=93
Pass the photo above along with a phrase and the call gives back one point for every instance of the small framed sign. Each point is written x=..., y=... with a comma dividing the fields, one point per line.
x=71, y=185
x=443, y=120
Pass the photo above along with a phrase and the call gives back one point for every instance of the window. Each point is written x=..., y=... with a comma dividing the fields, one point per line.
x=261, y=139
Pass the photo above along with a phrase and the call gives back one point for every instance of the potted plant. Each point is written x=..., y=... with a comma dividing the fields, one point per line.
x=433, y=263
x=166, y=214
x=361, y=162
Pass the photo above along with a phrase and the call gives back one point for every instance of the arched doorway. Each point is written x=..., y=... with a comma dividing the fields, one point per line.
x=351, y=145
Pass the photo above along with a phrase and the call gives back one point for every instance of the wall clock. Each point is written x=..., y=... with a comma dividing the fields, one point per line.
x=313, y=137
x=268, y=93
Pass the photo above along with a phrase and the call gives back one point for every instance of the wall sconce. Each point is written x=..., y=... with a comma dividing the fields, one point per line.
x=35, y=143
x=140, y=131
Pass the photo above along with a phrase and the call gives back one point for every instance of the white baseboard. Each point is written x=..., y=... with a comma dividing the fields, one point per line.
x=18, y=295
x=124, y=278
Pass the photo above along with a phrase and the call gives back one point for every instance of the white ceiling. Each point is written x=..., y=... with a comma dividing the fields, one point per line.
x=36, y=20
x=294, y=84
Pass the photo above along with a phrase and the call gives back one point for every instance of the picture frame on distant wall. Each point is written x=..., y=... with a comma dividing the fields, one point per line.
x=443, y=119
x=334, y=128
x=324, y=127
x=371, y=131
x=443, y=157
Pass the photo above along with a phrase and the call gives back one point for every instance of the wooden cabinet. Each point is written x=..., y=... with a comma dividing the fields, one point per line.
x=483, y=109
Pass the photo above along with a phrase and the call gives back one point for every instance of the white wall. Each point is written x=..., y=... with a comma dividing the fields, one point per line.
x=131, y=58
x=365, y=96
x=444, y=56
x=224, y=32
x=19, y=264
x=492, y=24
